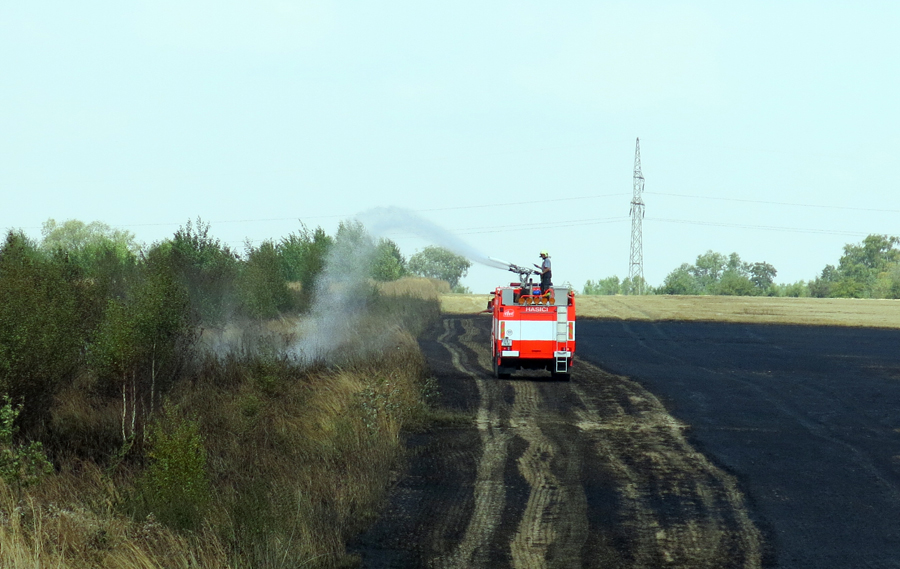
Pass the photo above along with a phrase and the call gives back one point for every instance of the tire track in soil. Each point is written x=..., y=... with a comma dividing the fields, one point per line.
x=542, y=524
x=490, y=493
x=606, y=475
x=679, y=510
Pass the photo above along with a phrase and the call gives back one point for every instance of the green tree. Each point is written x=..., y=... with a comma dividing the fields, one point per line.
x=439, y=263
x=607, y=286
x=353, y=252
x=207, y=268
x=762, y=275
x=681, y=281
x=861, y=265
x=303, y=256
x=733, y=283
x=389, y=264
x=887, y=284
x=637, y=285
x=143, y=340
x=86, y=243
x=166, y=329
x=734, y=280
x=714, y=273
x=849, y=287
x=874, y=254
x=708, y=269
x=105, y=255
x=262, y=288
x=42, y=329
x=823, y=284
x=797, y=289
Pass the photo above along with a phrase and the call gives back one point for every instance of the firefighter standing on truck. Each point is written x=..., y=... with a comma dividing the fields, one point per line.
x=546, y=273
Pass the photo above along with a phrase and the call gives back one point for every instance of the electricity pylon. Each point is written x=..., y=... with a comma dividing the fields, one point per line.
x=636, y=269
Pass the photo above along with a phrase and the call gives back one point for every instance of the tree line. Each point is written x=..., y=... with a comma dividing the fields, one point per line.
x=870, y=269
x=88, y=295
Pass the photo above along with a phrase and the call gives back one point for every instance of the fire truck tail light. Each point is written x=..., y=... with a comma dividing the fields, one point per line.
x=571, y=331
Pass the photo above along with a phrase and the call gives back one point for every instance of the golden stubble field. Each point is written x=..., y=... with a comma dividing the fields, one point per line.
x=877, y=313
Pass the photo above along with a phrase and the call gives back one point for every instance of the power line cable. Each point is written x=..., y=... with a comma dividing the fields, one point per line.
x=599, y=221
x=759, y=227
x=743, y=200
x=350, y=216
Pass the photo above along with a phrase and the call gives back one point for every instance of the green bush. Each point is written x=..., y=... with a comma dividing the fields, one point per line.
x=389, y=264
x=175, y=486
x=20, y=465
x=797, y=289
x=607, y=286
x=715, y=273
x=207, y=268
x=262, y=288
x=42, y=331
x=681, y=281
x=303, y=256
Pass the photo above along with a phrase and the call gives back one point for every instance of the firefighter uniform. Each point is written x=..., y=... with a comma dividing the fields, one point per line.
x=546, y=273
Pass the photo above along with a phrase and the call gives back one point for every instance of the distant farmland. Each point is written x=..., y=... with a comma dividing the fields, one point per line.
x=877, y=313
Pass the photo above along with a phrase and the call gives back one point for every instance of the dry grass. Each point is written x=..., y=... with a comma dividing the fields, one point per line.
x=416, y=287
x=752, y=309
x=71, y=521
x=298, y=464
x=301, y=463
x=464, y=303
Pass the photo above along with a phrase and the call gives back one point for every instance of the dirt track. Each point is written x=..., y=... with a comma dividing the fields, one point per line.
x=588, y=473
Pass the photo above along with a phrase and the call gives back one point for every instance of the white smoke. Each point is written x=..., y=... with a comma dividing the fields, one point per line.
x=338, y=301
x=342, y=289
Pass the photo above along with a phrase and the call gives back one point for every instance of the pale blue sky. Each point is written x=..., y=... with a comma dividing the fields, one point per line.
x=767, y=128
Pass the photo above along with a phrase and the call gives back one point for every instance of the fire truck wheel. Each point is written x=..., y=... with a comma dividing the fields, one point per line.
x=500, y=372
x=560, y=376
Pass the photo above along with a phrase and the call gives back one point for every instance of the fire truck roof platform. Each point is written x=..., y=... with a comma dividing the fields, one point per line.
x=509, y=295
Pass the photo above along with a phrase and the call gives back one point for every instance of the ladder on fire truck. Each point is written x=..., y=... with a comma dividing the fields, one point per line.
x=562, y=336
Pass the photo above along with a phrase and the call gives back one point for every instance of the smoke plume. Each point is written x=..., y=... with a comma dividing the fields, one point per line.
x=342, y=289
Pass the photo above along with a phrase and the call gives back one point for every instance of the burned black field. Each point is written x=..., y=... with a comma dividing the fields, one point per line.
x=674, y=445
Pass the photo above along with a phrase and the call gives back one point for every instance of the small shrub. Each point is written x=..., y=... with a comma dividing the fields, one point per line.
x=20, y=466
x=175, y=487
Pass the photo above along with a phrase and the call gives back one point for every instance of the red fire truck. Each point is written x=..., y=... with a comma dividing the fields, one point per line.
x=531, y=330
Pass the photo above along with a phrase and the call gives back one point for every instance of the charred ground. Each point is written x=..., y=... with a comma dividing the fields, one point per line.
x=806, y=418
x=529, y=472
